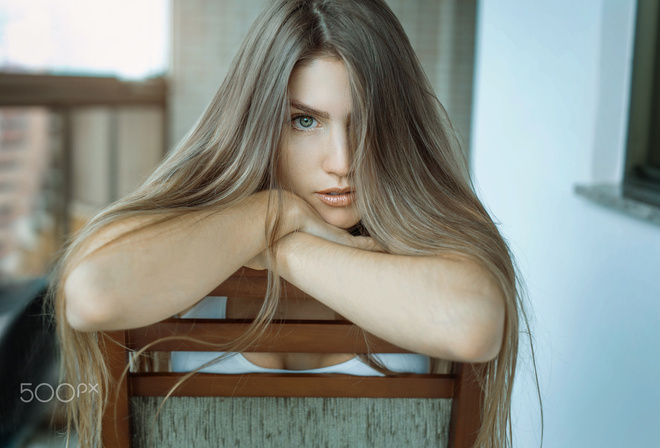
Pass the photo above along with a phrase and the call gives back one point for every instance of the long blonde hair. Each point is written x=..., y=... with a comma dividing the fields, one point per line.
x=416, y=197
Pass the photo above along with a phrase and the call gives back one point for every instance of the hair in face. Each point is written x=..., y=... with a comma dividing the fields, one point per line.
x=415, y=196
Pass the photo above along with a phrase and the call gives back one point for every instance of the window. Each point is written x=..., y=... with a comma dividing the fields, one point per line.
x=122, y=38
x=642, y=168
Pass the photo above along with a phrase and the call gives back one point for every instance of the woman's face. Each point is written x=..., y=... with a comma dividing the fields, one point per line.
x=315, y=156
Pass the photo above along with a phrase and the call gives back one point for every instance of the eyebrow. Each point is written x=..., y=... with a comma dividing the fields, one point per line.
x=310, y=110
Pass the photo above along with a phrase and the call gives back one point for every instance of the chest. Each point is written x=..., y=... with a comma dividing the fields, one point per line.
x=293, y=309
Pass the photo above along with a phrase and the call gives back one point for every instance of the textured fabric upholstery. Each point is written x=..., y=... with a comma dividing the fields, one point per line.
x=290, y=422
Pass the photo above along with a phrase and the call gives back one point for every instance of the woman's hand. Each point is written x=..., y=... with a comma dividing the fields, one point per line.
x=306, y=219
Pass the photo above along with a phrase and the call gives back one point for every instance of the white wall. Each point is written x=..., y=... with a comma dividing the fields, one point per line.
x=550, y=109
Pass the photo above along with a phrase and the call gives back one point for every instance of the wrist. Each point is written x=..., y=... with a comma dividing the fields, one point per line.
x=291, y=217
x=293, y=214
x=284, y=250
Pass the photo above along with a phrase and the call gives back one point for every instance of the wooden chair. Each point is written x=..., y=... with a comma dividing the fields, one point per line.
x=456, y=394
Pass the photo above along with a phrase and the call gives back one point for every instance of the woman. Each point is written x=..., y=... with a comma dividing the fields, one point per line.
x=325, y=128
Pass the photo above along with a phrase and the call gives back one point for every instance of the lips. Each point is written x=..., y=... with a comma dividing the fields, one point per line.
x=336, y=197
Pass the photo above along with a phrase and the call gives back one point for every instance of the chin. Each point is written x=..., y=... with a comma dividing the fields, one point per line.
x=341, y=218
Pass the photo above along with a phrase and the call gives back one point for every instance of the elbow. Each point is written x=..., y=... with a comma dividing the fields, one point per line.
x=483, y=334
x=475, y=341
x=481, y=346
x=86, y=308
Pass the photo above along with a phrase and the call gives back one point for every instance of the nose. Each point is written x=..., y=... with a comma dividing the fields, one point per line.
x=337, y=155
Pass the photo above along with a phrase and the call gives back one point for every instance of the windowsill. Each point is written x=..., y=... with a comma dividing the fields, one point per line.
x=611, y=197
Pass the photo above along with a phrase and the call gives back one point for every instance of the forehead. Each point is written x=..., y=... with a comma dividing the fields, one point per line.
x=322, y=84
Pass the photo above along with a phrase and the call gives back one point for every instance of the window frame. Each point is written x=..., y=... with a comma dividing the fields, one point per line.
x=641, y=179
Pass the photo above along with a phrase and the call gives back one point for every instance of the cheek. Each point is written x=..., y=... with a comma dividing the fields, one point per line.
x=297, y=163
x=289, y=169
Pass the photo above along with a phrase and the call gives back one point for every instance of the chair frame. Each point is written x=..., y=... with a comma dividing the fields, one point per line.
x=309, y=336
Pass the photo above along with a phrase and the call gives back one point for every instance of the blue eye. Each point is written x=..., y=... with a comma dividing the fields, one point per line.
x=304, y=122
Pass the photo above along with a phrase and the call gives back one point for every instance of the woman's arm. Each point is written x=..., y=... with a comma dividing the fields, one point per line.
x=446, y=307
x=160, y=270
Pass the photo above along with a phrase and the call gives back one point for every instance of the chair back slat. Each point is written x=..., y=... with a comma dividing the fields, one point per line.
x=283, y=337
x=293, y=385
x=251, y=284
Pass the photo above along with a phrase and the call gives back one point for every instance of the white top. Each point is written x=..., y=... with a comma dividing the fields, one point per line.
x=234, y=363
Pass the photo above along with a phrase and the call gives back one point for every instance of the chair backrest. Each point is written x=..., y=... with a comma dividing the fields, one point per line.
x=429, y=409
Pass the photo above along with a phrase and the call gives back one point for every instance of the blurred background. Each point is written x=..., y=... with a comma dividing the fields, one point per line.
x=557, y=105
x=83, y=106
